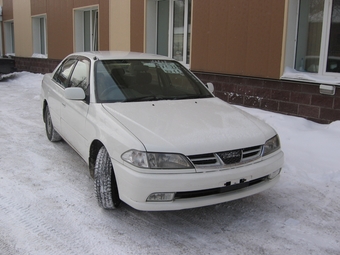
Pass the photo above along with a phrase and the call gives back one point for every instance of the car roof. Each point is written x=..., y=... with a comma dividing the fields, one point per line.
x=106, y=55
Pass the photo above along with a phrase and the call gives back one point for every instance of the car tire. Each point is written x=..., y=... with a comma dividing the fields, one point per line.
x=52, y=135
x=105, y=181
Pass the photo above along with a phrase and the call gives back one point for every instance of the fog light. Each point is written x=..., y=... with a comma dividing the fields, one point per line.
x=274, y=174
x=161, y=197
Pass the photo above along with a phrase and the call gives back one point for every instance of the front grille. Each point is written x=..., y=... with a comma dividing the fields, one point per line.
x=220, y=190
x=204, y=159
x=227, y=157
x=251, y=152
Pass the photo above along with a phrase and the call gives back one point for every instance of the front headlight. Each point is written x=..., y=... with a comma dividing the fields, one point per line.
x=136, y=158
x=156, y=160
x=271, y=145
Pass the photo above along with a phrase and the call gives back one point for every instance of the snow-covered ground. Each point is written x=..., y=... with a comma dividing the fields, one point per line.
x=47, y=202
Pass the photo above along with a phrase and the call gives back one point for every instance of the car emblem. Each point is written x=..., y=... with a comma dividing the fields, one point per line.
x=230, y=157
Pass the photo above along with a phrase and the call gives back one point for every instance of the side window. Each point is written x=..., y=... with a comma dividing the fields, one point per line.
x=80, y=76
x=64, y=71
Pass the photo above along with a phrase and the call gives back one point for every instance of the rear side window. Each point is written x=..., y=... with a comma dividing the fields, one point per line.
x=63, y=73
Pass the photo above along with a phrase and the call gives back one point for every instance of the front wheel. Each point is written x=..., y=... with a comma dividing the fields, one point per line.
x=105, y=184
x=52, y=135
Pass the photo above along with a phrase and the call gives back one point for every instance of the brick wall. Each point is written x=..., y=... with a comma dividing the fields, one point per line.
x=36, y=65
x=286, y=97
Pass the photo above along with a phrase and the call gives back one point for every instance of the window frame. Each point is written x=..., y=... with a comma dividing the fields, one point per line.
x=79, y=29
x=292, y=26
x=67, y=82
x=152, y=27
x=9, y=37
x=39, y=38
x=186, y=28
x=64, y=84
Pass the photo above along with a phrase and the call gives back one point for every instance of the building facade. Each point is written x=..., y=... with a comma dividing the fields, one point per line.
x=281, y=56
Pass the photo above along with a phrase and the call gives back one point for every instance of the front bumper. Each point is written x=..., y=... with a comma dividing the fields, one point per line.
x=134, y=187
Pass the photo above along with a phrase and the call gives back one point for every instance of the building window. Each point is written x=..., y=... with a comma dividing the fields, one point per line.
x=39, y=35
x=86, y=29
x=316, y=30
x=9, y=37
x=169, y=28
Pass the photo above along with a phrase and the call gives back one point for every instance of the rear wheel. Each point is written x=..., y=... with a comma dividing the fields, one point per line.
x=105, y=184
x=52, y=135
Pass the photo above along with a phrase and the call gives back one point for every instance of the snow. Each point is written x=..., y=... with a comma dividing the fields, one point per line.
x=292, y=74
x=47, y=202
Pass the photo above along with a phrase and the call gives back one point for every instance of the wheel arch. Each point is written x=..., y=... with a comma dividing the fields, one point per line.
x=44, y=110
x=94, y=149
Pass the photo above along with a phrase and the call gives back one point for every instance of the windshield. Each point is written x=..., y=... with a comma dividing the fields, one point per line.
x=145, y=80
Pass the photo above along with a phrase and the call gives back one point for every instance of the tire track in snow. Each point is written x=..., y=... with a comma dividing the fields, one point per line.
x=64, y=192
x=7, y=244
x=72, y=214
x=40, y=233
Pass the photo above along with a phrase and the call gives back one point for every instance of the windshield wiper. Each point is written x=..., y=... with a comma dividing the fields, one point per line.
x=145, y=98
x=192, y=96
x=158, y=98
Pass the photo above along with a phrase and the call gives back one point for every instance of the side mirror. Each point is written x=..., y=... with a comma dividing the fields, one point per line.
x=74, y=93
x=210, y=87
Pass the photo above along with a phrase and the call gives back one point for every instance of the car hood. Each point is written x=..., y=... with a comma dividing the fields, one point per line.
x=190, y=126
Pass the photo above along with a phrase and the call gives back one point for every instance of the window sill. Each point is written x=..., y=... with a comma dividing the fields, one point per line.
x=292, y=74
x=37, y=55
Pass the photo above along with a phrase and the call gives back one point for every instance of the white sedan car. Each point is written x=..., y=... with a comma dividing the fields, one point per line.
x=154, y=136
